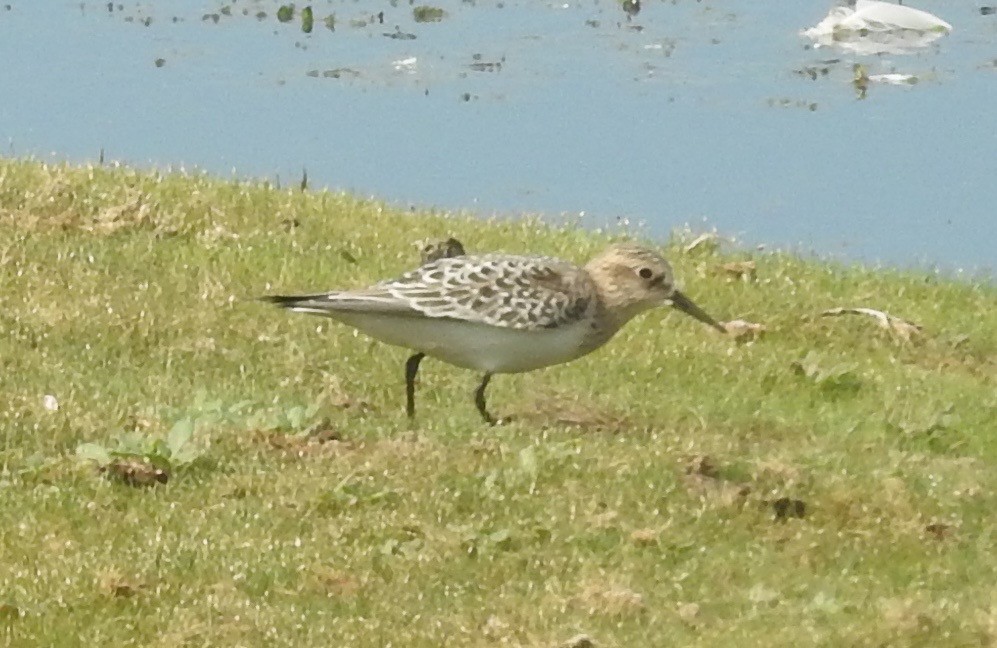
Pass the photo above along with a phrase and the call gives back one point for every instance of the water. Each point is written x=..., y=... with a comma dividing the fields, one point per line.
x=693, y=112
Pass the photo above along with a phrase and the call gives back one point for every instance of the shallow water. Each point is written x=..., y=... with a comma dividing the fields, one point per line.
x=693, y=112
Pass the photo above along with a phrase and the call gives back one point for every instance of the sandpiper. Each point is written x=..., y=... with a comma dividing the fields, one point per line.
x=499, y=313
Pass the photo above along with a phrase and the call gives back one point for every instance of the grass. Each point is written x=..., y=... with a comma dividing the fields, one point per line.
x=632, y=498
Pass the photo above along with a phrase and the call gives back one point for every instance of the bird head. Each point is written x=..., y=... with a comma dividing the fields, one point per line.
x=633, y=278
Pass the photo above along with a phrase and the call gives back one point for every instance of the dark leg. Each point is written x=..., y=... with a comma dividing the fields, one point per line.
x=479, y=399
x=411, y=369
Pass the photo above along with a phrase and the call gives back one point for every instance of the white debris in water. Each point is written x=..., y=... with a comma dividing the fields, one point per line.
x=873, y=27
x=51, y=403
x=405, y=64
x=894, y=79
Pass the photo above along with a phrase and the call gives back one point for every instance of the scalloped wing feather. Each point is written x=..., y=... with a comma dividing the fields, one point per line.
x=526, y=293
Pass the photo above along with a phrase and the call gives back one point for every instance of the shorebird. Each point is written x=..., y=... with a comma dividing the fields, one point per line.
x=499, y=313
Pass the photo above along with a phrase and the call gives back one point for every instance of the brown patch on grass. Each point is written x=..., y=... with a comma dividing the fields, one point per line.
x=788, y=507
x=553, y=409
x=66, y=198
x=578, y=641
x=134, y=210
x=744, y=331
x=113, y=583
x=10, y=612
x=644, y=537
x=393, y=453
x=889, y=506
x=320, y=437
x=906, y=616
x=938, y=530
x=610, y=599
x=688, y=612
x=740, y=270
x=65, y=211
x=703, y=465
x=298, y=441
x=135, y=471
x=334, y=582
x=702, y=478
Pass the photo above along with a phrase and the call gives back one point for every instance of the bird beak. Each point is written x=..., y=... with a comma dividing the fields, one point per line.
x=686, y=305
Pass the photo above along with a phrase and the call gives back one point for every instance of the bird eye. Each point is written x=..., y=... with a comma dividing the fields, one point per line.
x=645, y=273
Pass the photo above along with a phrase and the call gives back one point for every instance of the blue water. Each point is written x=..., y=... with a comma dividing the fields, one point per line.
x=698, y=117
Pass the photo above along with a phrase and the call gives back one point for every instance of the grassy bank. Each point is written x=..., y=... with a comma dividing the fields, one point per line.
x=830, y=482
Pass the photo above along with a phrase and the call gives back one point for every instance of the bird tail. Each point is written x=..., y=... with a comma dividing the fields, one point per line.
x=291, y=301
x=319, y=304
x=330, y=304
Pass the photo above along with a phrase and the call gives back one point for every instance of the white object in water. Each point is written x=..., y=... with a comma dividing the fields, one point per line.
x=894, y=79
x=405, y=63
x=871, y=26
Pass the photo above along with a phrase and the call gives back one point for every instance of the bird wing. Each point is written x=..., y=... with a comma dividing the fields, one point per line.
x=516, y=292
x=526, y=293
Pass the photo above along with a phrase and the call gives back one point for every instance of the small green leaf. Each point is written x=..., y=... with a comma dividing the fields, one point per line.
x=159, y=449
x=185, y=455
x=131, y=444
x=179, y=435
x=528, y=462
x=296, y=417
x=93, y=452
x=499, y=537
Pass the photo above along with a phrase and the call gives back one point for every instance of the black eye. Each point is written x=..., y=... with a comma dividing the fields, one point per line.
x=645, y=273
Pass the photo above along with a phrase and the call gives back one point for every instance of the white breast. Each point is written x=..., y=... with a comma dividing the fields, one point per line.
x=470, y=345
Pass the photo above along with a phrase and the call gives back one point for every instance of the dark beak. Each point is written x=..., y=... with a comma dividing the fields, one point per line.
x=686, y=305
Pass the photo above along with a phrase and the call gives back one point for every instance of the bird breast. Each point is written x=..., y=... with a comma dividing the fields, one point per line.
x=479, y=346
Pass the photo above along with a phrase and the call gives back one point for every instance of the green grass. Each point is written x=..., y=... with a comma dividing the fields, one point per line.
x=629, y=499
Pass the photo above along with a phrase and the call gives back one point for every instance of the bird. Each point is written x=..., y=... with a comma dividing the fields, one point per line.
x=504, y=313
